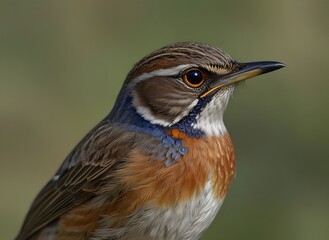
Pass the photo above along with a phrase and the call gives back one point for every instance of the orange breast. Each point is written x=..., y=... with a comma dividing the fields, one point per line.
x=150, y=182
x=153, y=182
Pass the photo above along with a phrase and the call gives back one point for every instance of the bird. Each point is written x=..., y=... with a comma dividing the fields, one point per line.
x=159, y=165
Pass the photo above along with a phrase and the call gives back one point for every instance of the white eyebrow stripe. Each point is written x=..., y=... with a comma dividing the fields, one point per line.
x=163, y=72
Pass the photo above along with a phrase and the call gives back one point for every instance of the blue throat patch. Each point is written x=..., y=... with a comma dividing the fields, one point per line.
x=125, y=114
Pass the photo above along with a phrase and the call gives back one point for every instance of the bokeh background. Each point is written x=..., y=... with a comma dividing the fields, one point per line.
x=62, y=64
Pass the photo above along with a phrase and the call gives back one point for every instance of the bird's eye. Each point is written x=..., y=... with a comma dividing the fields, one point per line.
x=194, y=78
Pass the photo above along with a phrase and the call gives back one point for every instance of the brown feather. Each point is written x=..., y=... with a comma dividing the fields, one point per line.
x=81, y=181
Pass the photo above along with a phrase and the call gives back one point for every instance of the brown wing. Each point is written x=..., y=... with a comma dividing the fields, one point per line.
x=80, y=177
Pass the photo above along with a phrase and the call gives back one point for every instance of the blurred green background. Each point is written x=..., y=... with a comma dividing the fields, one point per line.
x=62, y=64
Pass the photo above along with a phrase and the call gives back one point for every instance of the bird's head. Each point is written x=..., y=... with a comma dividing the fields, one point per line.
x=185, y=85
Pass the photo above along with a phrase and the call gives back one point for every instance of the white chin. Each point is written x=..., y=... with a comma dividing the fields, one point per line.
x=210, y=119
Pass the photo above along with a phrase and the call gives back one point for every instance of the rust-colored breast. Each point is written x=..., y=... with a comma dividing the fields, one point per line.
x=150, y=182
x=209, y=157
x=153, y=182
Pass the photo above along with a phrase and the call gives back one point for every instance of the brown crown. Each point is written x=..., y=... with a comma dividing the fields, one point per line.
x=181, y=53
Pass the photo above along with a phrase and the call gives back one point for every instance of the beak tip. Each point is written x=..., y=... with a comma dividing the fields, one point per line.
x=272, y=66
x=280, y=65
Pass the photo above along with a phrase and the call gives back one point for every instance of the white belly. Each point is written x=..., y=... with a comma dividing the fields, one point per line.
x=184, y=221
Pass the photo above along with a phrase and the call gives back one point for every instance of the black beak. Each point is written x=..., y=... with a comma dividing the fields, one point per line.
x=243, y=72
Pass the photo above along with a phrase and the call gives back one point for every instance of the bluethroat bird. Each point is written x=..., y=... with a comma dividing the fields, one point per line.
x=160, y=164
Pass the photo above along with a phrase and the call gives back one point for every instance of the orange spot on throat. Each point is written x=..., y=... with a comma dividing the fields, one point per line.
x=175, y=133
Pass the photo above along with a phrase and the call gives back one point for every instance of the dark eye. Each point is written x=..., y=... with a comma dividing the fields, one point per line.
x=194, y=78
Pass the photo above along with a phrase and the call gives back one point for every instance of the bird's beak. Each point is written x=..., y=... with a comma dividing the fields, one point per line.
x=243, y=72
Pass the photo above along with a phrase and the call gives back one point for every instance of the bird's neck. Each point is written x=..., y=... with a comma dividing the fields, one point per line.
x=206, y=118
x=171, y=138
